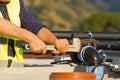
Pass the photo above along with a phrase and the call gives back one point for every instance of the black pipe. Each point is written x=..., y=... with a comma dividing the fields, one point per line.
x=109, y=36
x=108, y=46
x=110, y=54
x=90, y=56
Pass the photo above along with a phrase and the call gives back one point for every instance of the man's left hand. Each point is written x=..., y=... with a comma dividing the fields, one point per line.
x=61, y=45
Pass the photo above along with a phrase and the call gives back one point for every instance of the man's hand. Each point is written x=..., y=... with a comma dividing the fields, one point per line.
x=38, y=46
x=48, y=37
x=61, y=45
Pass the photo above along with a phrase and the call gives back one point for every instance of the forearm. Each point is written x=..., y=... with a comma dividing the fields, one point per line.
x=47, y=36
x=9, y=29
x=61, y=45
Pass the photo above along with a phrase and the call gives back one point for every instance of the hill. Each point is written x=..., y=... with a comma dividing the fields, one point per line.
x=67, y=14
x=106, y=5
x=61, y=14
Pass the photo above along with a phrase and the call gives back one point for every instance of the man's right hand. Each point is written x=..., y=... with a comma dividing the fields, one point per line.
x=37, y=46
x=8, y=29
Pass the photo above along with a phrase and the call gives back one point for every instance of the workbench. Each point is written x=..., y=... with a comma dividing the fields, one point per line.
x=40, y=69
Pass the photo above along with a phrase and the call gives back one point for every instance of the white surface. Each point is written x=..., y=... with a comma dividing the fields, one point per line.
x=40, y=72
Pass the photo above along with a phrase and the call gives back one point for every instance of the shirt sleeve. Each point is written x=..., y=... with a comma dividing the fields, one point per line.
x=28, y=21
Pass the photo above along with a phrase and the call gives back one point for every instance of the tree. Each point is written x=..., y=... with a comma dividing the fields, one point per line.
x=104, y=21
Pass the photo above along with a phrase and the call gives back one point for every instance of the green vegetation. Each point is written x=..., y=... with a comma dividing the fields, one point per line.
x=104, y=21
x=79, y=15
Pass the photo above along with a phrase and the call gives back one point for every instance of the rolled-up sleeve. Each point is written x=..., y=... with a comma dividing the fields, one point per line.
x=28, y=21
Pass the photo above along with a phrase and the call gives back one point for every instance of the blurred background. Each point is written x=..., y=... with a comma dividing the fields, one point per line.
x=77, y=15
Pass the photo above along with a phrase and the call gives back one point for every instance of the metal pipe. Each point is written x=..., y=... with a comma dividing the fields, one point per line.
x=90, y=56
x=96, y=35
x=110, y=54
x=108, y=45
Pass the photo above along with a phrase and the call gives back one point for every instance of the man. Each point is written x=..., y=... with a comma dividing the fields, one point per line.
x=16, y=22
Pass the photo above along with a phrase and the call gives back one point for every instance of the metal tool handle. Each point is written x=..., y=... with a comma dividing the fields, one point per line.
x=75, y=47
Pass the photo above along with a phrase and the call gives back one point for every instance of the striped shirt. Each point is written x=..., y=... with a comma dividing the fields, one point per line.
x=28, y=21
